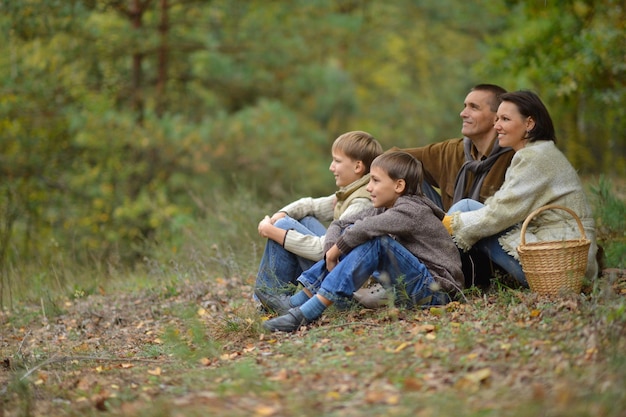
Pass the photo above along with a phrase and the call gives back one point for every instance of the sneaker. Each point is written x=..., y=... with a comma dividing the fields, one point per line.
x=278, y=303
x=374, y=296
x=289, y=322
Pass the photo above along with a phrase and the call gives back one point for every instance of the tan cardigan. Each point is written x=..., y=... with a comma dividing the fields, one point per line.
x=539, y=175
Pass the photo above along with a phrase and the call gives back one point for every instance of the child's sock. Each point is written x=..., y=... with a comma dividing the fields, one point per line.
x=298, y=299
x=313, y=308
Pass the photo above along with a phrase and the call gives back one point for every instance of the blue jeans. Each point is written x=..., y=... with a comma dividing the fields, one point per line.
x=280, y=268
x=490, y=246
x=410, y=278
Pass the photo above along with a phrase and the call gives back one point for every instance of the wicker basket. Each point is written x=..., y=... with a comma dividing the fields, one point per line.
x=554, y=267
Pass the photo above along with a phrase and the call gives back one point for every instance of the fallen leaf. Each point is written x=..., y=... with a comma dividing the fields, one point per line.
x=266, y=411
x=472, y=381
x=412, y=384
x=156, y=371
x=401, y=347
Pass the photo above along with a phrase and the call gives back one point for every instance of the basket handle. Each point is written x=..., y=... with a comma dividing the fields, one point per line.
x=551, y=207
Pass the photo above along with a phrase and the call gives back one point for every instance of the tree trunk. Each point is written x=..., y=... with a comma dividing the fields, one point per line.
x=163, y=55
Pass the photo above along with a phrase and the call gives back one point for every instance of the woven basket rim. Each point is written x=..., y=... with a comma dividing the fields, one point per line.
x=553, y=244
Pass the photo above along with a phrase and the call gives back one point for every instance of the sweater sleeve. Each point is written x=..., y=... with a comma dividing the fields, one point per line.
x=438, y=160
x=522, y=190
x=322, y=208
x=396, y=221
x=307, y=246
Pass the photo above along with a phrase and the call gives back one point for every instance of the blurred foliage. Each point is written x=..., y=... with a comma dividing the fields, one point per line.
x=121, y=119
x=572, y=53
x=610, y=212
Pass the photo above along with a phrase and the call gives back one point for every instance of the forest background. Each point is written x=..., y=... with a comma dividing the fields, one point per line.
x=138, y=131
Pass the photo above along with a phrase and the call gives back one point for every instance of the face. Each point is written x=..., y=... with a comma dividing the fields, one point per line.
x=477, y=116
x=383, y=190
x=512, y=126
x=345, y=170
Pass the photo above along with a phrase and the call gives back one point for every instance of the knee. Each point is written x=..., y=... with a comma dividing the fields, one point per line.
x=464, y=205
x=285, y=223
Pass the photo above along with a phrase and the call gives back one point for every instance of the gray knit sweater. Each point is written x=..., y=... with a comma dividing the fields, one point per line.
x=415, y=223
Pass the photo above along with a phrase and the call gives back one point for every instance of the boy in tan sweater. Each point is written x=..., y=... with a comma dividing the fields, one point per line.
x=295, y=234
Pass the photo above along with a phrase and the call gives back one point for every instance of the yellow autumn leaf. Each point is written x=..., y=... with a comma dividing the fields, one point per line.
x=479, y=376
x=156, y=371
x=265, y=411
x=333, y=395
x=401, y=347
x=436, y=311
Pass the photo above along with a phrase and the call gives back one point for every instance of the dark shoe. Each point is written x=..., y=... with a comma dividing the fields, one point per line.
x=278, y=303
x=289, y=322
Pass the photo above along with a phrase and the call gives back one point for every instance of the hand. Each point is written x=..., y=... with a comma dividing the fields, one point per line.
x=264, y=225
x=447, y=222
x=332, y=257
x=277, y=216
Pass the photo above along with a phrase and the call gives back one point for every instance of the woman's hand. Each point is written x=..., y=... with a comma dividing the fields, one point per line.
x=332, y=257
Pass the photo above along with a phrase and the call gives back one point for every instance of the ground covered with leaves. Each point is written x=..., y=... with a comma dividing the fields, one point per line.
x=198, y=348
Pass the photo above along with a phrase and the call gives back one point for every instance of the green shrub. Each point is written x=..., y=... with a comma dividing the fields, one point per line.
x=610, y=214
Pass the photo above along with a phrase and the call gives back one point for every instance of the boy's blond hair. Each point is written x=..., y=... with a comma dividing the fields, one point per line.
x=359, y=146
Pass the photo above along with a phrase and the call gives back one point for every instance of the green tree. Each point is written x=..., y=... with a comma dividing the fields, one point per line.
x=572, y=53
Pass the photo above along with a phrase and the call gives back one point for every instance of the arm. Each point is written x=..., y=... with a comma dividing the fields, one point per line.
x=401, y=220
x=522, y=191
x=439, y=160
x=332, y=257
x=321, y=208
x=268, y=230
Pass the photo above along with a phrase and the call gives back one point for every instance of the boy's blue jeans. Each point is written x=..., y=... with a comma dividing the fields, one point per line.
x=411, y=280
x=279, y=267
x=490, y=245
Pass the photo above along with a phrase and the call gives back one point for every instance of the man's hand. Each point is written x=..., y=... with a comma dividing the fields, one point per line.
x=332, y=257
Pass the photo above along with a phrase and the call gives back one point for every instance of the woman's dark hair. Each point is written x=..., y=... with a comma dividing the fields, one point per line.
x=530, y=105
x=400, y=165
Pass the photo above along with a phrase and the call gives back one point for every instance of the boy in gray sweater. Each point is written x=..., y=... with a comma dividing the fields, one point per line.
x=401, y=236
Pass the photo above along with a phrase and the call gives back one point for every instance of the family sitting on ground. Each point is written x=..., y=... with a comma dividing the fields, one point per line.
x=416, y=226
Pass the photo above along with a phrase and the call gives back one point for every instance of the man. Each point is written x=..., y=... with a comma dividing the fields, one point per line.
x=469, y=167
x=473, y=166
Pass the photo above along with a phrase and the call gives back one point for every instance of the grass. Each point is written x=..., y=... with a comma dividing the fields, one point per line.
x=503, y=353
x=181, y=337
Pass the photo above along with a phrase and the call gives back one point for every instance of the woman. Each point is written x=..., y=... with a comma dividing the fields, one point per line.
x=539, y=174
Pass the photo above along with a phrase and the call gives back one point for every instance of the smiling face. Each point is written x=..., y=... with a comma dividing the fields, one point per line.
x=477, y=116
x=512, y=126
x=345, y=169
x=384, y=190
